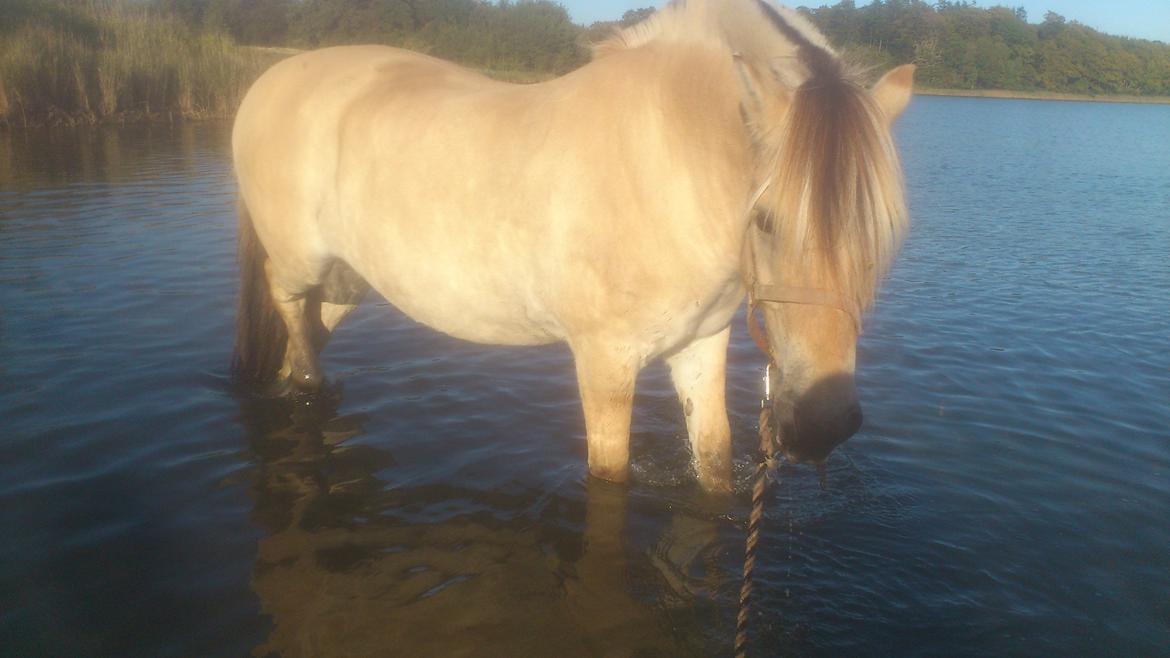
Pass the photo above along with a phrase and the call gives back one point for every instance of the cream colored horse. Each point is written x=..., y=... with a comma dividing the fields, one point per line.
x=720, y=147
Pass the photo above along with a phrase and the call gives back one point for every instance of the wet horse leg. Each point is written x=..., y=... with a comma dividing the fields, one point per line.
x=699, y=372
x=606, y=378
x=295, y=305
x=311, y=316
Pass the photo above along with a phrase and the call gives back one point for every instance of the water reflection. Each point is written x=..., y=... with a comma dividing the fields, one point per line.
x=353, y=565
x=106, y=154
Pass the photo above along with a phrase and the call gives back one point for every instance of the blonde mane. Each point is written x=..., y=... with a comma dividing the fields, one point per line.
x=829, y=175
x=735, y=25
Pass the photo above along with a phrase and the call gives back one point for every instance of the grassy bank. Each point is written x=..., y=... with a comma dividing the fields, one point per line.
x=1043, y=95
x=87, y=62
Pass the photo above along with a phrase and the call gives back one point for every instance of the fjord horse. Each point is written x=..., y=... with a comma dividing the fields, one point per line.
x=719, y=148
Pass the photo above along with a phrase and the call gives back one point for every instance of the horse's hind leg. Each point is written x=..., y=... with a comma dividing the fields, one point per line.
x=699, y=372
x=311, y=313
x=299, y=309
x=341, y=291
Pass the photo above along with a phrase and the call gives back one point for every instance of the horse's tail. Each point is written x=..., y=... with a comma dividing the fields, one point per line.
x=261, y=335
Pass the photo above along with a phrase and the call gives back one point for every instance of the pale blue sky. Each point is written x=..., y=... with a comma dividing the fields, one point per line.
x=1144, y=19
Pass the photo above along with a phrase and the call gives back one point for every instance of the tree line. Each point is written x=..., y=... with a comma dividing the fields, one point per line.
x=958, y=45
x=524, y=35
x=92, y=60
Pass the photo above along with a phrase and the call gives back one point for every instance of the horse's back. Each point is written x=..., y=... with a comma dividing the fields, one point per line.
x=318, y=85
x=288, y=123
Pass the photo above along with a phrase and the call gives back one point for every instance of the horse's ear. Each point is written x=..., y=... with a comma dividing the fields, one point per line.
x=763, y=96
x=893, y=92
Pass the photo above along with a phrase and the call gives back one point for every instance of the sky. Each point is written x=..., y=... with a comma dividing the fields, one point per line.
x=1143, y=19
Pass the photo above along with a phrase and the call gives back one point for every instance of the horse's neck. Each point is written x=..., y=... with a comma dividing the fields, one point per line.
x=697, y=118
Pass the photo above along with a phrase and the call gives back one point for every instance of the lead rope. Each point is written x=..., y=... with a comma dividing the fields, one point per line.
x=767, y=461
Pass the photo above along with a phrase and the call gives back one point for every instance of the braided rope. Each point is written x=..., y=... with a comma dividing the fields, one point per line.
x=759, y=488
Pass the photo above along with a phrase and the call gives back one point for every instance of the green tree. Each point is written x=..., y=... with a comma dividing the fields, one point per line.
x=635, y=16
x=957, y=44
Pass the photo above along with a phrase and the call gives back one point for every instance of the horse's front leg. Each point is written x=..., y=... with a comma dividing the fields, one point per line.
x=699, y=372
x=606, y=376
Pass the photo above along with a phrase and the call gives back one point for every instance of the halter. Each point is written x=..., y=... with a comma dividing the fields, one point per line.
x=763, y=293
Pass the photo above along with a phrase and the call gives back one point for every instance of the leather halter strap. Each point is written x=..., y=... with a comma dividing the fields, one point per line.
x=764, y=293
x=809, y=296
x=759, y=293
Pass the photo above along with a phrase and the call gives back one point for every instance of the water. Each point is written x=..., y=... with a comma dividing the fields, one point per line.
x=1008, y=494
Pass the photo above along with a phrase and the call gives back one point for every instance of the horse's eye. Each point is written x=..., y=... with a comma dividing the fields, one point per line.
x=765, y=221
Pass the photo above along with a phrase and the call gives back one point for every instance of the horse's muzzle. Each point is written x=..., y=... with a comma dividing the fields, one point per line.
x=813, y=437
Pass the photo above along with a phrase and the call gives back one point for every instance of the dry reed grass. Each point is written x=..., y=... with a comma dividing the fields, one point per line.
x=114, y=61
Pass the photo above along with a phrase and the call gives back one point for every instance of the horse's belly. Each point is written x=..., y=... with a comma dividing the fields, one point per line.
x=465, y=304
x=456, y=316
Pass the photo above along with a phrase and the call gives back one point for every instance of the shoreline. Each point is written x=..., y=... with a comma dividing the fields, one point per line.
x=1043, y=96
x=58, y=118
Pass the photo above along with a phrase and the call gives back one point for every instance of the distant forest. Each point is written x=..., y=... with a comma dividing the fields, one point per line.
x=956, y=45
x=69, y=61
x=529, y=35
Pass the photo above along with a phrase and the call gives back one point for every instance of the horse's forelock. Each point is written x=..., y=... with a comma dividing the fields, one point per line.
x=836, y=177
x=837, y=188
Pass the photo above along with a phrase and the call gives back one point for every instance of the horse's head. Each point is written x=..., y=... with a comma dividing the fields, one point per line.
x=812, y=337
x=823, y=230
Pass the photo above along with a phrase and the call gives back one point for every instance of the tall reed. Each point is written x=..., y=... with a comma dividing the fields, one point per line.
x=116, y=60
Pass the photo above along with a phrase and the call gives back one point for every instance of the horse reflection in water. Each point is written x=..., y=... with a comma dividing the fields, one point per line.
x=351, y=566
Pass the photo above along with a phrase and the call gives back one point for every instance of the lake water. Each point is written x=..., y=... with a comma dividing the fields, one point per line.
x=1009, y=493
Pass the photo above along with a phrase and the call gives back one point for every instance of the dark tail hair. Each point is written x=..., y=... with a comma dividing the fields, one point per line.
x=261, y=335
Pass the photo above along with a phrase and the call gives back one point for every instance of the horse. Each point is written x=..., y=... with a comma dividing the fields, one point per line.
x=720, y=149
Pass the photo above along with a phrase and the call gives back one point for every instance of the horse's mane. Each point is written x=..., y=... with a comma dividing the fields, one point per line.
x=832, y=177
x=734, y=24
